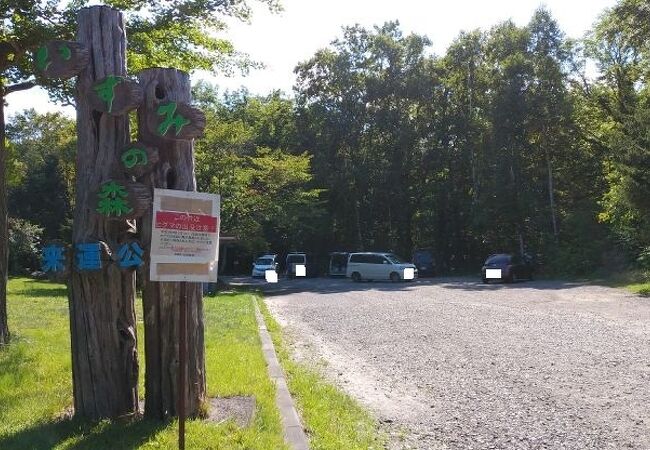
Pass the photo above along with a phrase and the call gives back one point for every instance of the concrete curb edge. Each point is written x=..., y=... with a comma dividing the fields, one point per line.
x=294, y=433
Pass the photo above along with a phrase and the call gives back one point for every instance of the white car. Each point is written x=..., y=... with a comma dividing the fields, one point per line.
x=262, y=264
x=379, y=266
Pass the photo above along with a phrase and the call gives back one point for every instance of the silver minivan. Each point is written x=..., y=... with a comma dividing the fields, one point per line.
x=379, y=266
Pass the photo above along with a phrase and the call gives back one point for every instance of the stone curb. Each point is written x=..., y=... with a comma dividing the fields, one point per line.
x=294, y=434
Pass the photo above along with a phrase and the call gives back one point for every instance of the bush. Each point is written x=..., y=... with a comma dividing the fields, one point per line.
x=24, y=242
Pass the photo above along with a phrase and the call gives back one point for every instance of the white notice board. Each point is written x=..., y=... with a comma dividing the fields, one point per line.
x=184, y=236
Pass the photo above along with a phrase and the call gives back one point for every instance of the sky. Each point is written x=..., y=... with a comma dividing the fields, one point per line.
x=280, y=41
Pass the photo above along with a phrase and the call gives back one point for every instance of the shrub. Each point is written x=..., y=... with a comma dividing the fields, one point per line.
x=24, y=243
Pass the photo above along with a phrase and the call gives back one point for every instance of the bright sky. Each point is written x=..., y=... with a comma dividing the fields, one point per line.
x=282, y=40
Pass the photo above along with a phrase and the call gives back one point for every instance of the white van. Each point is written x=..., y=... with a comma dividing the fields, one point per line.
x=379, y=266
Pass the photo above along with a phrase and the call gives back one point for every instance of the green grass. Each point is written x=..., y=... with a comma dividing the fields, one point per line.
x=333, y=419
x=636, y=281
x=36, y=390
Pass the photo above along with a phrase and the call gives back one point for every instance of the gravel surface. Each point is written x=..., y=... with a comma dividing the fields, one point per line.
x=454, y=364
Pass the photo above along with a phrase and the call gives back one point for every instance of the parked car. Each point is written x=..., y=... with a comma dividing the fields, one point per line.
x=507, y=267
x=424, y=261
x=338, y=264
x=378, y=266
x=306, y=259
x=264, y=263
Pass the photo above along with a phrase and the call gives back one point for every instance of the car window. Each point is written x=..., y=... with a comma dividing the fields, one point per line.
x=293, y=259
x=394, y=259
x=423, y=257
x=498, y=259
x=376, y=259
x=264, y=261
x=356, y=258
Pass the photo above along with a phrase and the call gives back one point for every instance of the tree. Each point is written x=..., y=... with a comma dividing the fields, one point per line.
x=250, y=156
x=619, y=102
x=358, y=104
x=41, y=190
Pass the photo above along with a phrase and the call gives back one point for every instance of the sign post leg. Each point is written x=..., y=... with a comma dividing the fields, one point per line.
x=182, y=361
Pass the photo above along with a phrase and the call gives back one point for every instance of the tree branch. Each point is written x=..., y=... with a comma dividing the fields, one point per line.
x=19, y=87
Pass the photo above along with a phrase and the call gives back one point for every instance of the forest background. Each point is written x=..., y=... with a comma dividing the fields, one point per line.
x=503, y=143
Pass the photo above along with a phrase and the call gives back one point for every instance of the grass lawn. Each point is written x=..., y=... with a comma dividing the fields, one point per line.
x=36, y=390
x=636, y=281
x=333, y=419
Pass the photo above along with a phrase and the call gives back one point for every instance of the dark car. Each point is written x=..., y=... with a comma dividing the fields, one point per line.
x=338, y=264
x=308, y=260
x=423, y=260
x=506, y=267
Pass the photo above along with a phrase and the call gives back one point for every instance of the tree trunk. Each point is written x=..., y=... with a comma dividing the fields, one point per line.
x=4, y=243
x=102, y=315
x=551, y=194
x=160, y=299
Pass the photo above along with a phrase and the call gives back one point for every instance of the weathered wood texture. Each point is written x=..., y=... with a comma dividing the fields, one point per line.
x=160, y=299
x=115, y=95
x=173, y=120
x=61, y=59
x=138, y=159
x=135, y=203
x=102, y=315
x=4, y=243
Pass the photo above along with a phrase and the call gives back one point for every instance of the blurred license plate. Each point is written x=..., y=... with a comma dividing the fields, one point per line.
x=492, y=273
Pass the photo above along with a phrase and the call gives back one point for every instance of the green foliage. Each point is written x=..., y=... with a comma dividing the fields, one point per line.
x=24, y=242
x=182, y=34
x=459, y=153
x=248, y=156
x=500, y=144
x=42, y=171
x=620, y=127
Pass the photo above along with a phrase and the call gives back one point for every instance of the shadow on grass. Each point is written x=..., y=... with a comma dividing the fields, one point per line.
x=83, y=435
x=235, y=291
x=57, y=289
x=40, y=292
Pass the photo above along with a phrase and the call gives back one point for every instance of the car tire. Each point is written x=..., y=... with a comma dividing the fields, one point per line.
x=485, y=281
x=394, y=277
x=513, y=277
x=356, y=277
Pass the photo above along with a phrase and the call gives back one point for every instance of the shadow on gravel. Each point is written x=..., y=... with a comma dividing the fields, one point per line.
x=543, y=285
x=336, y=285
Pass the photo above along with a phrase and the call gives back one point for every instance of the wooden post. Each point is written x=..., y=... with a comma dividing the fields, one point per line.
x=102, y=316
x=175, y=170
x=182, y=358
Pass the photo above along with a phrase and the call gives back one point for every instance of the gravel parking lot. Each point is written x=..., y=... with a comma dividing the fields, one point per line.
x=451, y=363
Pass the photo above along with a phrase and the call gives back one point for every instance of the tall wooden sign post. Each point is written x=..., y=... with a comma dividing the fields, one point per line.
x=114, y=187
x=163, y=320
x=101, y=294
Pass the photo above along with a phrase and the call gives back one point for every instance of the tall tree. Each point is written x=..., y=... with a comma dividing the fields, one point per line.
x=621, y=96
x=41, y=189
x=250, y=156
x=357, y=104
